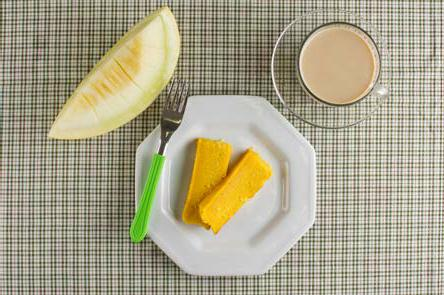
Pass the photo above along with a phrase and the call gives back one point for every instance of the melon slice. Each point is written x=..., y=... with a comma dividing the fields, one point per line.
x=124, y=82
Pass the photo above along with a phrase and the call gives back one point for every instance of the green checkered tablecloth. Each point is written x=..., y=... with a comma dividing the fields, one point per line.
x=65, y=207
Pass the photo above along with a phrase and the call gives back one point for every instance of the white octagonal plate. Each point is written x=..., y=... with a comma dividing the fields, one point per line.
x=268, y=225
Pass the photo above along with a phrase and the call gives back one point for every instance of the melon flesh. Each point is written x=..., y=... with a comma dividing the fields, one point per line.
x=124, y=82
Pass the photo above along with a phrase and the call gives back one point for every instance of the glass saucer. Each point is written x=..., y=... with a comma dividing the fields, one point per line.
x=285, y=75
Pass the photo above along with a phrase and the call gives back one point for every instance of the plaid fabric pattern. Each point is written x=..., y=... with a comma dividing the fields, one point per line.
x=65, y=207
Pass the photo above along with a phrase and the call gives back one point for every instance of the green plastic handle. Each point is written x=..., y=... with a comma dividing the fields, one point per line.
x=139, y=227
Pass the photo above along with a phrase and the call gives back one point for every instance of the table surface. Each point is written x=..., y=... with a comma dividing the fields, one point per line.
x=66, y=207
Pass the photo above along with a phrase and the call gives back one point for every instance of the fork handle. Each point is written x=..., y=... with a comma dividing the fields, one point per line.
x=139, y=227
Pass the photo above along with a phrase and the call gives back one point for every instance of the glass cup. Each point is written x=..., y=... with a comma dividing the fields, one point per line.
x=295, y=94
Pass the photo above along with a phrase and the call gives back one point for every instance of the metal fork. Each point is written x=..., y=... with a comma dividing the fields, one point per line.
x=172, y=115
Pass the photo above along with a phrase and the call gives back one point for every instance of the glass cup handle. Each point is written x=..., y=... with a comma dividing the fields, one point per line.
x=380, y=90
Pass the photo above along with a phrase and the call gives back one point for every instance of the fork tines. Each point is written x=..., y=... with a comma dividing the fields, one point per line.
x=177, y=96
